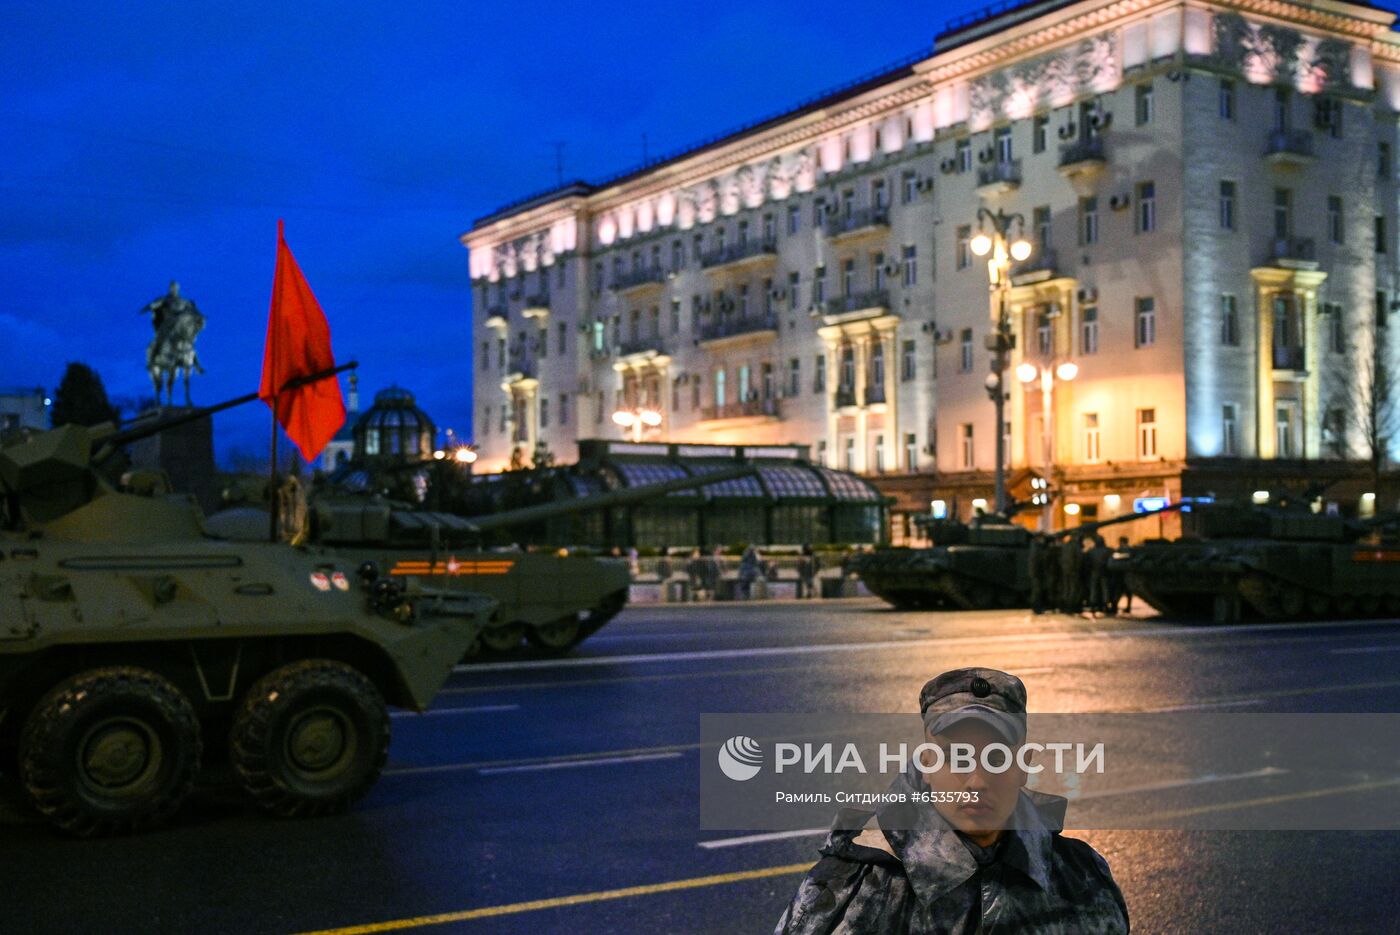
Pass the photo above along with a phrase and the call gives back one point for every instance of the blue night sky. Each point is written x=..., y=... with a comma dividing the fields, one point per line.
x=145, y=141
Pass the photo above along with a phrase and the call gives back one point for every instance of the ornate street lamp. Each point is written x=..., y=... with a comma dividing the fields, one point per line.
x=637, y=421
x=1028, y=373
x=1000, y=252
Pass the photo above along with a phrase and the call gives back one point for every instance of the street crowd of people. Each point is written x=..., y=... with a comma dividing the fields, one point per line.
x=1075, y=574
x=702, y=573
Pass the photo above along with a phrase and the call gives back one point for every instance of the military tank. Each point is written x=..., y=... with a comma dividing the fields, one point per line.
x=1237, y=562
x=135, y=647
x=980, y=565
x=549, y=599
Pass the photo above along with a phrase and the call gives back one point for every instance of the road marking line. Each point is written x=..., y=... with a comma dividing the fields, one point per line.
x=1274, y=799
x=1393, y=648
x=477, y=709
x=598, y=761
x=1094, y=633
x=1203, y=704
x=1104, y=793
x=557, y=902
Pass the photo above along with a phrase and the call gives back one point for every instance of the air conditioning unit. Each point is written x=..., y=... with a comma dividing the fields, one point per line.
x=1068, y=130
x=943, y=336
x=892, y=269
x=929, y=449
x=1120, y=202
x=925, y=184
x=1100, y=120
x=986, y=155
x=948, y=165
x=1088, y=294
x=778, y=293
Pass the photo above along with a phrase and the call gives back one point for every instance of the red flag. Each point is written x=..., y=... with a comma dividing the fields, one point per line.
x=298, y=345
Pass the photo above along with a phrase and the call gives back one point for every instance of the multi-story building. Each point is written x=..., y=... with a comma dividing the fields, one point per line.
x=1210, y=192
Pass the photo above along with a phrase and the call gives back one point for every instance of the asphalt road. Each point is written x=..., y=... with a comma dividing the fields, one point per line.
x=560, y=795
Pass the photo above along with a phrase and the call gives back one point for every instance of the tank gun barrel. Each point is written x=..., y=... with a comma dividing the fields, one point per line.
x=1088, y=528
x=622, y=497
x=114, y=440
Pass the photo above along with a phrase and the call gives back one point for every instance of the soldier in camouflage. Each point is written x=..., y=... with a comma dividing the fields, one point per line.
x=997, y=865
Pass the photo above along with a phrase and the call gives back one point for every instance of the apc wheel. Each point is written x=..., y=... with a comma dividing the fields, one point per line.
x=555, y=637
x=310, y=738
x=110, y=751
x=502, y=639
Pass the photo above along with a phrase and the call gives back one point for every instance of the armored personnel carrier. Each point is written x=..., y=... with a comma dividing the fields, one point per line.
x=134, y=647
x=1269, y=563
x=550, y=599
x=980, y=565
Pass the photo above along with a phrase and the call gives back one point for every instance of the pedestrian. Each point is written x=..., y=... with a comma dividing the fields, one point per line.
x=634, y=564
x=1071, y=564
x=938, y=867
x=1118, y=579
x=1098, y=575
x=714, y=572
x=697, y=571
x=1035, y=559
x=750, y=569
x=663, y=564
x=807, y=573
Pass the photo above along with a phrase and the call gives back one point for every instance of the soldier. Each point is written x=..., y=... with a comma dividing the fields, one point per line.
x=1118, y=582
x=1071, y=566
x=1098, y=575
x=1000, y=866
x=1035, y=564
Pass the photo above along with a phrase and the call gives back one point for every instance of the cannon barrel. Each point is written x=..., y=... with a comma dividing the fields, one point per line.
x=1089, y=528
x=625, y=496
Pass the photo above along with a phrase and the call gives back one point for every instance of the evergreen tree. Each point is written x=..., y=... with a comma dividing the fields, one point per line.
x=81, y=398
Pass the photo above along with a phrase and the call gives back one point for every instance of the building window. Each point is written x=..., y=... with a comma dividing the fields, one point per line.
x=794, y=215
x=1336, y=337
x=697, y=390
x=501, y=353
x=1041, y=222
x=1227, y=205
x=877, y=270
x=1283, y=213
x=1282, y=100
x=1147, y=433
x=906, y=362
x=848, y=202
x=879, y=454
x=965, y=436
x=1327, y=115
x=819, y=374
x=794, y=376
x=544, y=413
x=1145, y=320
x=767, y=297
x=1088, y=221
x=1040, y=131
x=563, y=408
x=1002, y=138
x=877, y=368
x=1091, y=437
x=879, y=194
x=1089, y=330
x=1225, y=99
x=1229, y=321
x=818, y=212
x=821, y=452
x=1334, y=219
x=965, y=351
x=850, y=456
x=819, y=285
x=1380, y=234
x=911, y=264
x=964, y=251
x=1147, y=207
x=1383, y=167
x=908, y=187
x=964, y=155
x=743, y=232
x=1044, y=337
x=1229, y=444
x=1283, y=432
x=911, y=452
x=770, y=228
x=677, y=255
x=848, y=277
x=719, y=388
x=1144, y=108
x=744, y=300
x=793, y=282
x=848, y=369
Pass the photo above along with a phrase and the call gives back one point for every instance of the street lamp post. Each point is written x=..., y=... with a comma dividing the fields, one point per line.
x=1028, y=373
x=999, y=255
x=637, y=421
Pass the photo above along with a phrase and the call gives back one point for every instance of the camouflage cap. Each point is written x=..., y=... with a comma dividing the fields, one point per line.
x=996, y=698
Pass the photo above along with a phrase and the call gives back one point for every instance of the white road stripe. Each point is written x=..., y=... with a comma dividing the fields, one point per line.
x=479, y=709
x=567, y=764
x=1204, y=704
x=1129, y=790
x=993, y=639
x=1392, y=648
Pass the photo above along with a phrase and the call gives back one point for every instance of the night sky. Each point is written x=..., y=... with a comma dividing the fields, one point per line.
x=144, y=141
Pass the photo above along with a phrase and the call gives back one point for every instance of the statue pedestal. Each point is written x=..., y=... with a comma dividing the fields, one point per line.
x=185, y=453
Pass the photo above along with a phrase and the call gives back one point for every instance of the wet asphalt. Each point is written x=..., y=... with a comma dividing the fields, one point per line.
x=535, y=789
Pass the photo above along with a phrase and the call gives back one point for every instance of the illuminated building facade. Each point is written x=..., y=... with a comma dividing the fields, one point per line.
x=1210, y=192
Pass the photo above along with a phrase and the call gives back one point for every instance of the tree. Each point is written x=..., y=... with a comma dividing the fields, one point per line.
x=1364, y=405
x=81, y=398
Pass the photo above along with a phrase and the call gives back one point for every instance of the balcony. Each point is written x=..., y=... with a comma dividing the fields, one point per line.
x=1084, y=158
x=738, y=255
x=496, y=317
x=521, y=367
x=857, y=223
x=726, y=327
x=874, y=395
x=844, y=397
x=861, y=305
x=757, y=409
x=639, y=280
x=1289, y=357
x=536, y=306
x=1039, y=267
x=1292, y=253
x=649, y=347
x=999, y=177
x=1289, y=148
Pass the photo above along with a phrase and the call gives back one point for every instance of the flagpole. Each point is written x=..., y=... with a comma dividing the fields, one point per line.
x=272, y=355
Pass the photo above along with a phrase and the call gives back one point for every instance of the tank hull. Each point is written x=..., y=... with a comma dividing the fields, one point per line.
x=953, y=577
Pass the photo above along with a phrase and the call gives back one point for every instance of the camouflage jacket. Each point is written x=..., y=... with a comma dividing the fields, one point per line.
x=930, y=879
